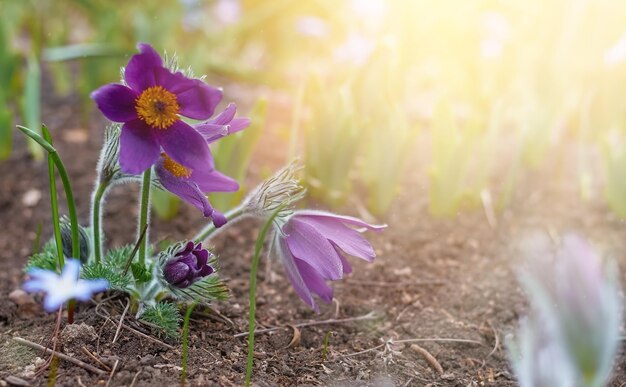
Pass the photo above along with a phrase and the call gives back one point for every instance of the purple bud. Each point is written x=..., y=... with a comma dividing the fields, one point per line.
x=188, y=266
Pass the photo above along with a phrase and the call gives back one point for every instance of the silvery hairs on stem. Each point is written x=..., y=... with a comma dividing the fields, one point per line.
x=108, y=166
x=282, y=189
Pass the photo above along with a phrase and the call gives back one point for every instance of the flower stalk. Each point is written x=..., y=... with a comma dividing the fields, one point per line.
x=71, y=206
x=144, y=214
x=96, y=218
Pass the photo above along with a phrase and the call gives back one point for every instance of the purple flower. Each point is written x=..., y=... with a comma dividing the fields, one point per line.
x=150, y=108
x=312, y=246
x=64, y=287
x=188, y=266
x=191, y=185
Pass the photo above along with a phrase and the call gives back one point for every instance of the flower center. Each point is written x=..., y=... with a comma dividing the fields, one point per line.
x=157, y=107
x=174, y=168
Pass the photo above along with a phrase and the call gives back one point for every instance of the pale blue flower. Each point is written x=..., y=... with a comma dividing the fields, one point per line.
x=62, y=288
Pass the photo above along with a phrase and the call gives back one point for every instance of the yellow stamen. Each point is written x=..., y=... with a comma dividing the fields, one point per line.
x=174, y=168
x=157, y=107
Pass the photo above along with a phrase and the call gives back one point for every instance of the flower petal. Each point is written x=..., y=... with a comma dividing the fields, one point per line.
x=212, y=132
x=314, y=281
x=175, y=272
x=189, y=192
x=139, y=148
x=238, y=124
x=307, y=244
x=292, y=271
x=214, y=182
x=344, y=237
x=226, y=116
x=71, y=270
x=199, y=102
x=140, y=71
x=53, y=301
x=186, y=146
x=116, y=102
x=346, y=219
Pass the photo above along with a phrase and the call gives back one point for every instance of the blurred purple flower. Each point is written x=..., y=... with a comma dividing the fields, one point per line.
x=150, y=108
x=312, y=246
x=188, y=266
x=62, y=288
x=580, y=305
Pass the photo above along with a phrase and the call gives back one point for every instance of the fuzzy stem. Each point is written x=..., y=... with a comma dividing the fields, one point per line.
x=183, y=373
x=210, y=229
x=71, y=206
x=54, y=204
x=96, y=218
x=252, y=311
x=144, y=214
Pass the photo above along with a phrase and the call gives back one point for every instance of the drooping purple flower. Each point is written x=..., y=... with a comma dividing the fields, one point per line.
x=312, y=246
x=188, y=266
x=62, y=288
x=150, y=108
x=192, y=185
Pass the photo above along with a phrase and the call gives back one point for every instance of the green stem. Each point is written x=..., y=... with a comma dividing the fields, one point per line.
x=54, y=204
x=96, y=218
x=252, y=312
x=183, y=374
x=144, y=214
x=71, y=206
x=210, y=228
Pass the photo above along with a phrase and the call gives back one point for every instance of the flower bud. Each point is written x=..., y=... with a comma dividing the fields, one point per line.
x=187, y=266
x=66, y=241
x=282, y=189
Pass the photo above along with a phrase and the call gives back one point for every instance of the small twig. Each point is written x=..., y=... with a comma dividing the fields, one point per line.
x=135, y=379
x=363, y=351
x=496, y=338
x=112, y=372
x=62, y=356
x=370, y=316
x=430, y=359
x=390, y=342
x=91, y=355
x=119, y=327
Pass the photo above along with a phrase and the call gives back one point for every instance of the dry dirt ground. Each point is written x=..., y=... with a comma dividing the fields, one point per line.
x=450, y=283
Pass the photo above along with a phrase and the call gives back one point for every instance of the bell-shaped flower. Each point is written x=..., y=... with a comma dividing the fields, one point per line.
x=188, y=266
x=62, y=288
x=192, y=185
x=150, y=107
x=313, y=245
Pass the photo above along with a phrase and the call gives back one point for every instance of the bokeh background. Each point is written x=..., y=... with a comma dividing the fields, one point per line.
x=474, y=93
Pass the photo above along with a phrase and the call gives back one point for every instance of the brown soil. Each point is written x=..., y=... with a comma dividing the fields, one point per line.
x=433, y=278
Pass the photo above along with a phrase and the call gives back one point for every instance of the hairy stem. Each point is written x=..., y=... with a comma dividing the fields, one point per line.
x=252, y=311
x=210, y=229
x=144, y=214
x=96, y=218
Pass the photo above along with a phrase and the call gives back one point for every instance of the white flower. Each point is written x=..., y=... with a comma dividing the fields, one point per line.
x=64, y=287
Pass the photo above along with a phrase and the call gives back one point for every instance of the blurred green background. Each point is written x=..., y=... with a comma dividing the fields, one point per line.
x=492, y=87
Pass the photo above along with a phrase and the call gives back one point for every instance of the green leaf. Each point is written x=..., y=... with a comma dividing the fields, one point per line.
x=31, y=103
x=117, y=280
x=164, y=318
x=140, y=272
x=45, y=259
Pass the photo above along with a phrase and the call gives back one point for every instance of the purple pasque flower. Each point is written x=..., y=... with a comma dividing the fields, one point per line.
x=188, y=266
x=62, y=288
x=150, y=108
x=312, y=246
x=192, y=185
